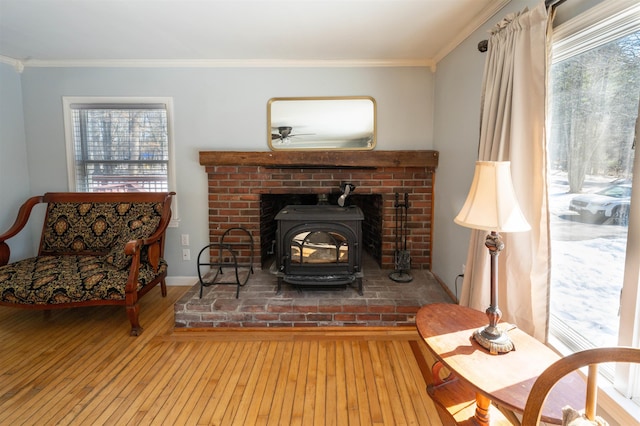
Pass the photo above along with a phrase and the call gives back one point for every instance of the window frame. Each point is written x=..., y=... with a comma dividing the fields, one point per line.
x=68, y=101
x=597, y=26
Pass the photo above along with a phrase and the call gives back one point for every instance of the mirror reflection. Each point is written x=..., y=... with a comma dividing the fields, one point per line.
x=328, y=123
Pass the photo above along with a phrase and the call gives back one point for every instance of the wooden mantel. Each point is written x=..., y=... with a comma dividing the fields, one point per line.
x=426, y=158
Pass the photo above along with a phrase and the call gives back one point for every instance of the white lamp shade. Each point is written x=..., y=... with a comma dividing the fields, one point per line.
x=492, y=204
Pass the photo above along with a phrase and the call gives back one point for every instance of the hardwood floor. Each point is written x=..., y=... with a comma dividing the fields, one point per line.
x=80, y=367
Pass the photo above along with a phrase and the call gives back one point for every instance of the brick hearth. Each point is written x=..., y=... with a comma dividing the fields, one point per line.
x=384, y=303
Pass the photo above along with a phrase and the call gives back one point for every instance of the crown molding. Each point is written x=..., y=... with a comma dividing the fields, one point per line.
x=228, y=63
x=597, y=26
x=487, y=13
x=18, y=65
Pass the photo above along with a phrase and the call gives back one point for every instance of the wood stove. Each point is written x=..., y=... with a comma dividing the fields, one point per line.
x=319, y=245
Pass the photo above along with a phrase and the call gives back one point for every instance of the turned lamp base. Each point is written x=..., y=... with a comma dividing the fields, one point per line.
x=494, y=340
x=491, y=337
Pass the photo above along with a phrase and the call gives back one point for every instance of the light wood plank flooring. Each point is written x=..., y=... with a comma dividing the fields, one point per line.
x=80, y=367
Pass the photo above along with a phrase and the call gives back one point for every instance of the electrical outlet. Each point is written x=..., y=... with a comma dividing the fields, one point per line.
x=186, y=254
x=184, y=239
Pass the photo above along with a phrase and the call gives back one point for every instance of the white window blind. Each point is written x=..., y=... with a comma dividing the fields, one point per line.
x=120, y=147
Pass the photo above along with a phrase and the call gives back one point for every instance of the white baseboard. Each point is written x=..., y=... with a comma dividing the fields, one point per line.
x=182, y=281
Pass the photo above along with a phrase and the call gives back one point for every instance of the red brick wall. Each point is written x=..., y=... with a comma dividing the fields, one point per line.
x=234, y=199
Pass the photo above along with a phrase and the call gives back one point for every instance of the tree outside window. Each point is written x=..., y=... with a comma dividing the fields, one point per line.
x=119, y=146
x=594, y=102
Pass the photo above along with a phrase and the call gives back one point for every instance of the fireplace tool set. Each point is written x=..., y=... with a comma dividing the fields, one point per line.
x=402, y=256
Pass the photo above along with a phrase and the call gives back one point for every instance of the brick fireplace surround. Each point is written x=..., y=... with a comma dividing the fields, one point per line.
x=237, y=182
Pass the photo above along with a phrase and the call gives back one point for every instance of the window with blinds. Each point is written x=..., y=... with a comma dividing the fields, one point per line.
x=119, y=147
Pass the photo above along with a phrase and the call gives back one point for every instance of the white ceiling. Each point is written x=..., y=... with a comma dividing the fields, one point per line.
x=404, y=32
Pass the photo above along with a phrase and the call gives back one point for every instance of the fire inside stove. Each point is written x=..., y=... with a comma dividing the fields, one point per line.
x=319, y=245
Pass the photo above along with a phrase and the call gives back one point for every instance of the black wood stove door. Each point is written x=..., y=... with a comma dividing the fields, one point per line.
x=319, y=245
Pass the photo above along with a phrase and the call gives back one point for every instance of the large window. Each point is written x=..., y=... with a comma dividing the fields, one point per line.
x=594, y=93
x=118, y=145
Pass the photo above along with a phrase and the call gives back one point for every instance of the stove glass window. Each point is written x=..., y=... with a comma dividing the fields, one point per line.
x=319, y=247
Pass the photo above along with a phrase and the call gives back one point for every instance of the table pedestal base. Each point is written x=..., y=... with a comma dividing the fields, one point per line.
x=482, y=409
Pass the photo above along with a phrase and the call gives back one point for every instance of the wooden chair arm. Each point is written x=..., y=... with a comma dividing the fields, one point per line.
x=564, y=366
x=133, y=247
x=155, y=242
x=23, y=217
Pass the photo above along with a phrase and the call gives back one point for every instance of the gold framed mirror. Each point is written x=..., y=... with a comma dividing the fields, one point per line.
x=322, y=123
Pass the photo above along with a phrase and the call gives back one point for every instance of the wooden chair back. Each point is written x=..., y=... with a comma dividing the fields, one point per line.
x=564, y=366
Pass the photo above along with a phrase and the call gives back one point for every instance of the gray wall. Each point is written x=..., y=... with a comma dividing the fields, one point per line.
x=214, y=109
x=225, y=109
x=14, y=172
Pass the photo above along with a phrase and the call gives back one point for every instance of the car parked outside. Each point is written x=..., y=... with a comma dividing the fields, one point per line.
x=608, y=204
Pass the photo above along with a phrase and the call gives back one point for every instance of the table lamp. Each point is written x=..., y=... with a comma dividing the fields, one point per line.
x=492, y=206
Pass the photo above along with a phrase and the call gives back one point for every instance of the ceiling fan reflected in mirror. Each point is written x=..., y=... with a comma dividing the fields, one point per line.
x=284, y=134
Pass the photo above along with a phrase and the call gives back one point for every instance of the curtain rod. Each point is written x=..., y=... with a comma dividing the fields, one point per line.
x=484, y=44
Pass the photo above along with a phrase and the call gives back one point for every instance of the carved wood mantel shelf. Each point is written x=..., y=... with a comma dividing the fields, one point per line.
x=329, y=159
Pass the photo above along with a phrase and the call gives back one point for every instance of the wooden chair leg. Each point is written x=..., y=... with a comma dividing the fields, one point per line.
x=133, y=313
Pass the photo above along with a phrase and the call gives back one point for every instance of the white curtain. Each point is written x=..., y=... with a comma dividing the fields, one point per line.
x=513, y=129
